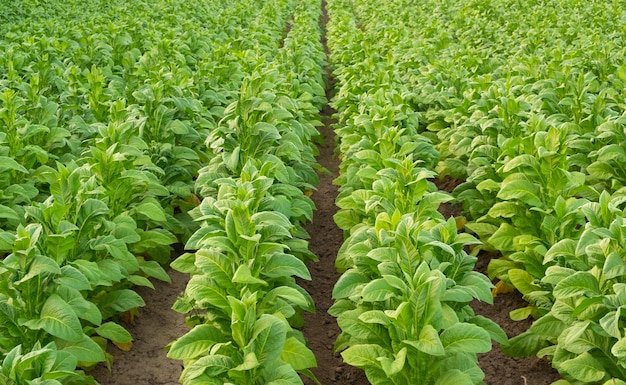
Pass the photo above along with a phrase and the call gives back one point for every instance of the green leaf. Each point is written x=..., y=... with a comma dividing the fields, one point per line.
x=293, y=296
x=581, y=283
x=154, y=270
x=585, y=368
x=393, y=367
x=522, y=190
x=364, y=355
x=269, y=335
x=203, y=289
x=375, y=317
x=243, y=275
x=466, y=338
x=58, y=319
x=297, y=354
x=523, y=281
x=429, y=342
x=502, y=239
x=85, y=350
x=8, y=213
x=610, y=323
x=114, y=332
x=10, y=164
x=285, y=265
x=151, y=210
x=250, y=361
x=619, y=348
x=347, y=283
x=496, y=332
x=525, y=345
x=455, y=377
x=196, y=343
x=72, y=277
x=210, y=365
x=119, y=301
x=377, y=290
x=185, y=263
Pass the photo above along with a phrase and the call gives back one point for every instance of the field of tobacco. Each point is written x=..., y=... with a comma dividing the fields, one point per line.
x=312, y=192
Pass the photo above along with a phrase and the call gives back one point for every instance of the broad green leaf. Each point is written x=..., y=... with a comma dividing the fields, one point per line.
x=377, y=290
x=496, y=332
x=466, y=338
x=58, y=319
x=83, y=308
x=40, y=267
x=364, y=355
x=347, y=283
x=285, y=265
x=548, y=326
x=523, y=281
x=250, y=361
x=119, y=301
x=269, y=335
x=610, y=323
x=151, y=210
x=243, y=275
x=8, y=213
x=522, y=190
x=429, y=342
x=502, y=239
x=455, y=377
x=210, y=365
x=393, y=367
x=293, y=296
x=585, y=368
x=196, y=343
x=154, y=270
x=114, y=332
x=525, y=345
x=203, y=290
x=375, y=316
x=483, y=230
x=579, y=284
x=7, y=163
x=297, y=354
x=73, y=278
x=85, y=350
x=619, y=348
x=185, y=263
x=523, y=160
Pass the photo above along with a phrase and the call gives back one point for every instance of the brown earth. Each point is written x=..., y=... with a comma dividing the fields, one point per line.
x=156, y=326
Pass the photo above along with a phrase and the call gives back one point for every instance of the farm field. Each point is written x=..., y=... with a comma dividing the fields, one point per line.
x=312, y=192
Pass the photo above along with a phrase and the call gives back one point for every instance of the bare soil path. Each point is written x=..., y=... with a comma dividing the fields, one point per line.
x=156, y=326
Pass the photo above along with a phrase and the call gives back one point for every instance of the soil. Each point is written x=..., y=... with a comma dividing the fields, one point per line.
x=158, y=325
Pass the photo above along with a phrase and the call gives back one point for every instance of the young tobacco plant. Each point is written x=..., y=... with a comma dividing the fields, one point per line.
x=404, y=305
x=55, y=366
x=537, y=203
x=242, y=291
x=582, y=334
x=41, y=301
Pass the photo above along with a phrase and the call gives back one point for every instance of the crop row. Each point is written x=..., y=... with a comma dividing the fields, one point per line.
x=243, y=298
x=402, y=301
x=532, y=123
x=108, y=113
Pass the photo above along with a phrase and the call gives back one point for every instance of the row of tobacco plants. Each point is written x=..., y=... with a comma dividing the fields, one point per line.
x=402, y=301
x=243, y=301
x=524, y=104
x=129, y=127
